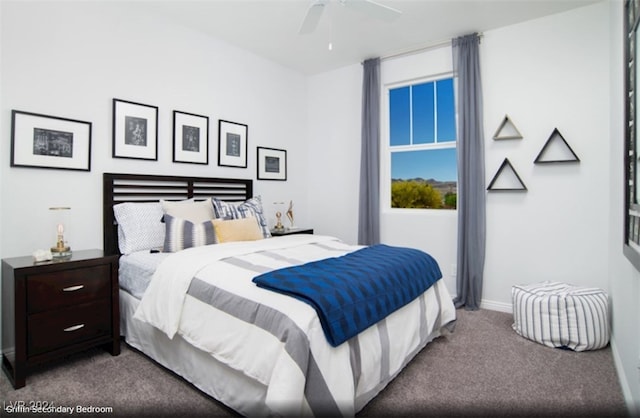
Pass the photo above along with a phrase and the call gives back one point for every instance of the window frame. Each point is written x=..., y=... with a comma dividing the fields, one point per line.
x=387, y=149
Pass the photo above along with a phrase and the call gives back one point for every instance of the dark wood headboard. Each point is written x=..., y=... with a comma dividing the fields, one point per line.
x=119, y=188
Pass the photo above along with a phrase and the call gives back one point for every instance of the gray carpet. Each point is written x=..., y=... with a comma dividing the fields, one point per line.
x=482, y=369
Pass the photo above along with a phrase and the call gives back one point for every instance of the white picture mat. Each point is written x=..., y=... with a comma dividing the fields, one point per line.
x=23, y=142
x=200, y=122
x=232, y=160
x=121, y=149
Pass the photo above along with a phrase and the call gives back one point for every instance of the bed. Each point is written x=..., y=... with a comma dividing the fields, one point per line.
x=194, y=302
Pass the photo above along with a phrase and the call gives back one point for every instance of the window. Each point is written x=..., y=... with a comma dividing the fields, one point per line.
x=422, y=145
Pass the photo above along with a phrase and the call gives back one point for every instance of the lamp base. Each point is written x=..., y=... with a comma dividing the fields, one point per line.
x=61, y=252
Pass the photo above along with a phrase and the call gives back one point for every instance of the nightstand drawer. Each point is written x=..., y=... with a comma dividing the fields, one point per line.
x=50, y=330
x=67, y=287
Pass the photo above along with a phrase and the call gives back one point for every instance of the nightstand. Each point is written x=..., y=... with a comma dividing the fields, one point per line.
x=281, y=232
x=55, y=308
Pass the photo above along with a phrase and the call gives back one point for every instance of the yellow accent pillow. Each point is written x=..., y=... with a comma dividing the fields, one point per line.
x=243, y=229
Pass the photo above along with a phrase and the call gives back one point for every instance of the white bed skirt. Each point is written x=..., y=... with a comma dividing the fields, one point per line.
x=232, y=388
x=229, y=386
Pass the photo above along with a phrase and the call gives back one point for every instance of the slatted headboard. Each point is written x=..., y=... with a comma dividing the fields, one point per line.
x=119, y=188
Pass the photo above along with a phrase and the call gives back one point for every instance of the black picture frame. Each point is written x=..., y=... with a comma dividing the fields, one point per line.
x=233, y=139
x=45, y=141
x=190, y=138
x=271, y=164
x=135, y=130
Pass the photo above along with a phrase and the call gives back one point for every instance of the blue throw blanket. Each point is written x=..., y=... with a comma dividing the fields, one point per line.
x=352, y=292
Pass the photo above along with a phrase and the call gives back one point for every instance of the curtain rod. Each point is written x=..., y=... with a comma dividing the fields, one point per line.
x=435, y=45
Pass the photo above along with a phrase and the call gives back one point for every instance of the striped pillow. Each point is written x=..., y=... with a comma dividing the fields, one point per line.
x=181, y=234
x=249, y=208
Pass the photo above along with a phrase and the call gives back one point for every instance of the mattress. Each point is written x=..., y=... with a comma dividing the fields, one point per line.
x=136, y=270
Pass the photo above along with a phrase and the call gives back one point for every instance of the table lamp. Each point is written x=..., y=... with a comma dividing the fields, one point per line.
x=61, y=249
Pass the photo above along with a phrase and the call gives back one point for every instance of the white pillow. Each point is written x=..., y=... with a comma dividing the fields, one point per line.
x=190, y=210
x=140, y=226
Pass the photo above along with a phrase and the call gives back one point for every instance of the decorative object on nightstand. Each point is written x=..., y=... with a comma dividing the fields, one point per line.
x=279, y=226
x=42, y=255
x=61, y=249
x=290, y=215
x=57, y=308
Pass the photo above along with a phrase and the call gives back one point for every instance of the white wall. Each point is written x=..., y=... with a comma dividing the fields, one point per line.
x=334, y=152
x=70, y=59
x=538, y=73
x=548, y=73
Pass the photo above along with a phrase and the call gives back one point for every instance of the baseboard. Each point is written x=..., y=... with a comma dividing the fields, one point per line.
x=634, y=409
x=491, y=304
x=496, y=306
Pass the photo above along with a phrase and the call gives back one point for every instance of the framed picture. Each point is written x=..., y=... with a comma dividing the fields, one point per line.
x=272, y=164
x=135, y=130
x=232, y=144
x=50, y=142
x=190, y=138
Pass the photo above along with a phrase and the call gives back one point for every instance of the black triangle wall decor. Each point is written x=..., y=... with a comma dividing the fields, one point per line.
x=501, y=182
x=507, y=130
x=556, y=150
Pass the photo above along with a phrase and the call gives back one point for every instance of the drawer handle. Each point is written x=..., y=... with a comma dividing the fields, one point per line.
x=73, y=288
x=73, y=328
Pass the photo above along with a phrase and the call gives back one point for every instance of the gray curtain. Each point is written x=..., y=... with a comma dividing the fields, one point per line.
x=369, y=211
x=471, y=189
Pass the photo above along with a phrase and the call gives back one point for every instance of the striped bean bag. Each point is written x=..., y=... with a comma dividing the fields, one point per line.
x=562, y=316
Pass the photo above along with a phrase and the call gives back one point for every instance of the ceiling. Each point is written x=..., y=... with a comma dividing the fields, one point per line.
x=269, y=28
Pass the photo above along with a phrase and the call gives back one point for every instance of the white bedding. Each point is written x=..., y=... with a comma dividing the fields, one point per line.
x=277, y=340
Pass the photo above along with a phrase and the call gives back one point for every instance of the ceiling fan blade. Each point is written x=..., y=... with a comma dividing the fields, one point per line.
x=377, y=10
x=312, y=17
